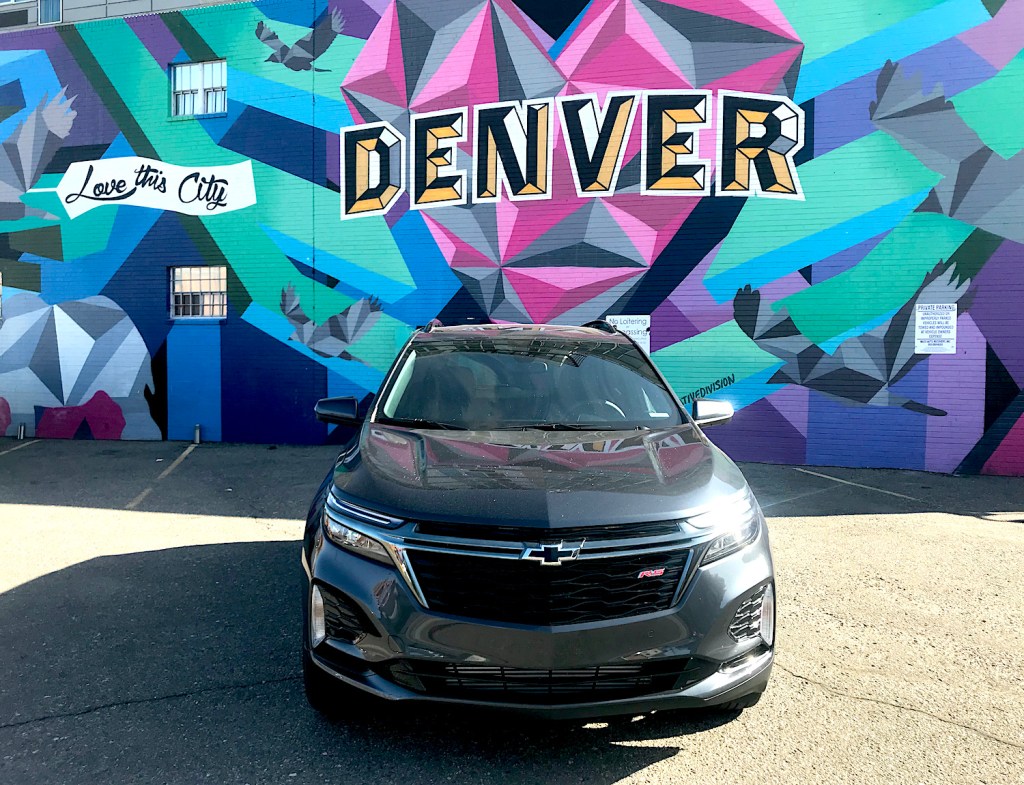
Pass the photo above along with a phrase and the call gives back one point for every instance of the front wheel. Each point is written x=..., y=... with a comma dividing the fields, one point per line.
x=330, y=696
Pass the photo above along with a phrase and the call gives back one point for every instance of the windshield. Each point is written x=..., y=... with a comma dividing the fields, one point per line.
x=495, y=383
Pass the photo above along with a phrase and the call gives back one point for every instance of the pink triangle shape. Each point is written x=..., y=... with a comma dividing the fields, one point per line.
x=456, y=251
x=655, y=223
x=761, y=77
x=520, y=224
x=1008, y=457
x=548, y=292
x=469, y=74
x=626, y=53
x=582, y=40
x=763, y=14
x=379, y=70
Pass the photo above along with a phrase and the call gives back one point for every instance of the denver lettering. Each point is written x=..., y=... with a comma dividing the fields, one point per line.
x=511, y=144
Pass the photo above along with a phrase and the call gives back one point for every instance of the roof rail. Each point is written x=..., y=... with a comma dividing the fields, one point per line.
x=429, y=326
x=602, y=325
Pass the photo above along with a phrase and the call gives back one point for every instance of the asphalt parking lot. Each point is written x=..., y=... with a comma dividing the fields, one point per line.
x=149, y=628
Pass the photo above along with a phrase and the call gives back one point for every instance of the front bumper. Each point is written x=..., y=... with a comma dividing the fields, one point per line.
x=397, y=629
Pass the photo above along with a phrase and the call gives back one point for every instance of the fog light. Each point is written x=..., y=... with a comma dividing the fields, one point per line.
x=317, y=625
x=767, y=627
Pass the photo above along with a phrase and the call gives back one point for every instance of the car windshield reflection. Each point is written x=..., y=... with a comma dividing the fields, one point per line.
x=494, y=384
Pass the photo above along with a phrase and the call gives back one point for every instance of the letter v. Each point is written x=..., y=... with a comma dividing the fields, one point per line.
x=596, y=139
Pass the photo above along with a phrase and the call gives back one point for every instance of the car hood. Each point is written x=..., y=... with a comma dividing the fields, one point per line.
x=534, y=478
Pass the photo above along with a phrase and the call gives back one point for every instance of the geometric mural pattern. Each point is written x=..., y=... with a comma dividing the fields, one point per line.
x=799, y=312
x=79, y=368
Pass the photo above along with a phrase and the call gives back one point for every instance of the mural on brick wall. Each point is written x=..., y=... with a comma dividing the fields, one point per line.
x=781, y=190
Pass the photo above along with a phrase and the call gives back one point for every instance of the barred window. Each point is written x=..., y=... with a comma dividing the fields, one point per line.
x=49, y=12
x=199, y=88
x=199, y=291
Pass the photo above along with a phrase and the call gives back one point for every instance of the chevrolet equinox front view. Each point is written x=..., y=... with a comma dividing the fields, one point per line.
x=527, y=518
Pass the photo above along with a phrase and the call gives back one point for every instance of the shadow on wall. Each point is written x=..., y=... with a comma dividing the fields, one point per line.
x=183, y=664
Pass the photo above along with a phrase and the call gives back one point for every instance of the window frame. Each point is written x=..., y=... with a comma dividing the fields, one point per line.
x=39, y=14
x=211, y=301
x=201, y=92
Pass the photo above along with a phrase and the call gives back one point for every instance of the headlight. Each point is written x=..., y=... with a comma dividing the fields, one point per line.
x=737, y=517
x=353, y=540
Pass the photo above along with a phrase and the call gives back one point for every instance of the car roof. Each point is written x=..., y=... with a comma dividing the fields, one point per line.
x=521, y=332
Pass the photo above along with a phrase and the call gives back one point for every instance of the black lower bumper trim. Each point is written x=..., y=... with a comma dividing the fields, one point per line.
x=499, y=684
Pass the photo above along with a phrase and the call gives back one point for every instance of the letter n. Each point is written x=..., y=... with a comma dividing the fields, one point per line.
x=372, y=169
x=513, y=146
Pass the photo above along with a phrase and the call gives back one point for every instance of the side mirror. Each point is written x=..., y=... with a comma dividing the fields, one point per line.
x=339, y=411
x=708, y=413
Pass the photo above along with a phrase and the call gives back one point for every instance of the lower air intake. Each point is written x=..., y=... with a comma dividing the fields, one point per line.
x=495, y=683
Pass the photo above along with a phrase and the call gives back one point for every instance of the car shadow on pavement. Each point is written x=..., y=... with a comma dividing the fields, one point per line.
x=182, y=665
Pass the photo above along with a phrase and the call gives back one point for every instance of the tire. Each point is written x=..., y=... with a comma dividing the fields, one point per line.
x=330, y=696
x=322, y=690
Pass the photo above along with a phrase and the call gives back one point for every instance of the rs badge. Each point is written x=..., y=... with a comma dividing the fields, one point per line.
x=652, y=573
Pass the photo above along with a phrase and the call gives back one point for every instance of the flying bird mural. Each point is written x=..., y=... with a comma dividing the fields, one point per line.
x=979, y=187
x=300, y=55
x=25, y=154
x=334, y=337
x=862, y=369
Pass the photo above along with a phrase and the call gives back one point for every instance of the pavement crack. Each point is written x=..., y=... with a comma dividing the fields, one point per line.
x=841, y=694
x=154, y=699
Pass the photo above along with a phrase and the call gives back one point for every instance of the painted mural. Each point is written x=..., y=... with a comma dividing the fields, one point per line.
x=781, y=185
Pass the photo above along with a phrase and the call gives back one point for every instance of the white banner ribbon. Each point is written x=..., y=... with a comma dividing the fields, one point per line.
x=143, y=182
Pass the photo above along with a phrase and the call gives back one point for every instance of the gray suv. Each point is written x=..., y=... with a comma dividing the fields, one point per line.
x=527, y=518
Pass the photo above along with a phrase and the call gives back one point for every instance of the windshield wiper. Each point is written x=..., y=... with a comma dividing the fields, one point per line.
x=562, y=426
x=420, y=422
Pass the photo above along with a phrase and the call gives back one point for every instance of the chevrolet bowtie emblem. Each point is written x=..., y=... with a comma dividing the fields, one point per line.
x=552, y=555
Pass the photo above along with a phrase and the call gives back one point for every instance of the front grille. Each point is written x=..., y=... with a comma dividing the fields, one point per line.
x=746, y=624
x=565, y=685
x=342, y=617
x=526, y=592
x=525, y=534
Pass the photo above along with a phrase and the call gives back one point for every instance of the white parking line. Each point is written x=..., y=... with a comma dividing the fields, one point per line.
x=177, y=462
x=138, y=499
x=798, y=496
x=26, y=444
x=857, y=484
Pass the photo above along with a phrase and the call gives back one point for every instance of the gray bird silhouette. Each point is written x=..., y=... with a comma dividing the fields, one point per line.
x=862, y=369
x=978, y=186
x=25, y=154
x=338, y=333
x=300, y=56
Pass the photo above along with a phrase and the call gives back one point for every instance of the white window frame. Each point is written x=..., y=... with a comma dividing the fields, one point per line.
x=201, y=91
x=206, y=288
x=39, y=13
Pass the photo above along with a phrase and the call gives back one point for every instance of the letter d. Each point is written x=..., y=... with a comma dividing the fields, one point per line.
x=372, y=169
